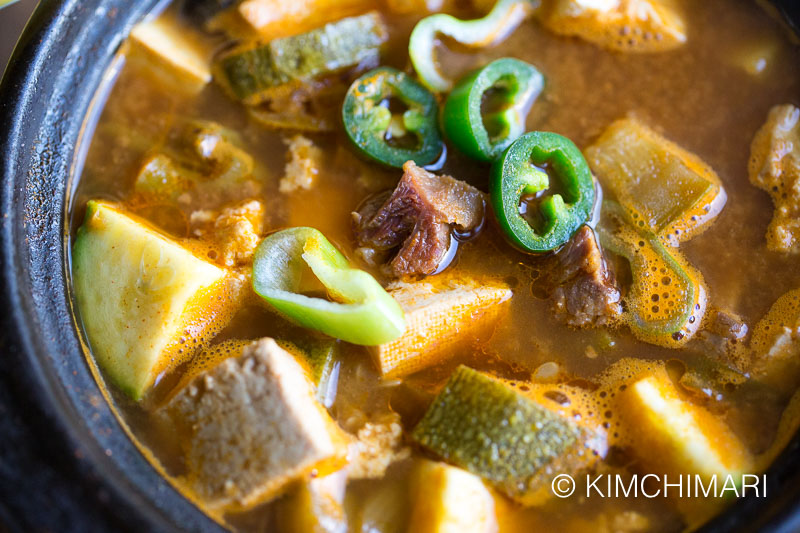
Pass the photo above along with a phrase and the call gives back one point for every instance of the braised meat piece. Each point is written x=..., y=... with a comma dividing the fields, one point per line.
x=722, y=333
x=580, y=285
x=416, y=221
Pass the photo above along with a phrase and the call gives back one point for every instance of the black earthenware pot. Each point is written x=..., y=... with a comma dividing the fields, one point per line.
x=65, y=462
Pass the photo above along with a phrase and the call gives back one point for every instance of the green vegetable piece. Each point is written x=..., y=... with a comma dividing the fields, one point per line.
x=709, y=377
x=160, y=177
x=367, y=315
x=139, y=293
x=522, y=172
x=252, y=73
x=205, y=159
x=371, y=126
x=504, y=17
x=487, y=428
x=171, y=54
x=667, y=299
x=509, y=87
x=315, y=107
x=665, y=189
x=218, y=151
x=321, y=355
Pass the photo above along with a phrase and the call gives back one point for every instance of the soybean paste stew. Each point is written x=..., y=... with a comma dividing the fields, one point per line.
x=405, y=265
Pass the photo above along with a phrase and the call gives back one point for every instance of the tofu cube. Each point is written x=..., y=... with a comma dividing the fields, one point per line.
x=438, y=314
x=447, y=499
x=170, y=47
x=252, y=425
x=674, y=437
x=273, y=19
x=316, y=506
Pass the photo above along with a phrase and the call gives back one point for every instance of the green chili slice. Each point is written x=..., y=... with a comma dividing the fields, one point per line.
x=525, y=171
x=387, y=138
x=667, y=297
x=504, y=17
x=486, y=111
x=362, y=313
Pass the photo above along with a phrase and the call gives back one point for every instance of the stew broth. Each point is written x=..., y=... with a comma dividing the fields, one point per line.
x=696, y=95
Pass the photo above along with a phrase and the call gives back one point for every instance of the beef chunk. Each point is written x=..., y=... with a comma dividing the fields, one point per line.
x=416, y=219
x=775, y=167
x=582, y=289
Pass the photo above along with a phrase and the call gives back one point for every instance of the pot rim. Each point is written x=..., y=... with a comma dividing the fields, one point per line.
x=46, y=94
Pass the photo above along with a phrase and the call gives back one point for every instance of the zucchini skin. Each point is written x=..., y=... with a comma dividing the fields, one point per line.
x=253, y=72
x=479, y=424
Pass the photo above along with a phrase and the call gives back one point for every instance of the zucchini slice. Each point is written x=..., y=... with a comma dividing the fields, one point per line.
x=483, y=426
x=257, y=72
x=147, y=303
x=664, y=189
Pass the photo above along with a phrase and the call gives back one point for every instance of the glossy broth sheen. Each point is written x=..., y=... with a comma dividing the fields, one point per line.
x=696, y=96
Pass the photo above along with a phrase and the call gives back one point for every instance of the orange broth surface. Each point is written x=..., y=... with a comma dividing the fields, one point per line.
x=696, y=95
